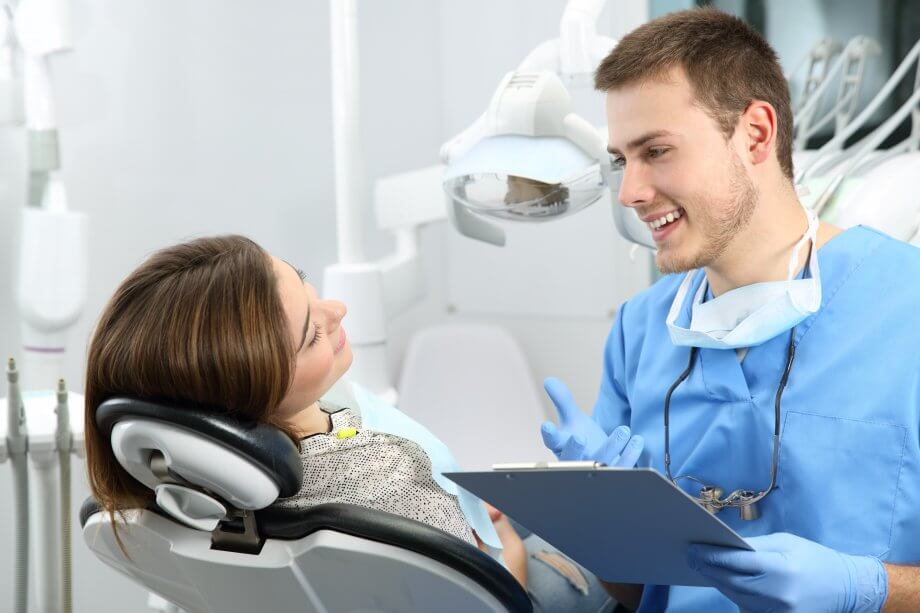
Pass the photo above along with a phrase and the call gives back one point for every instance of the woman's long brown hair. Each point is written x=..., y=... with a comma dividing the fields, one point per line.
x=198, y=323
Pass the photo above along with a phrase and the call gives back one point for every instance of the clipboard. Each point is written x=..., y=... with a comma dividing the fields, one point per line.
x=626, y=525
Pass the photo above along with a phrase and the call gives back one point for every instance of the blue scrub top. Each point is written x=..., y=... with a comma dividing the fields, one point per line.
x=849, y=466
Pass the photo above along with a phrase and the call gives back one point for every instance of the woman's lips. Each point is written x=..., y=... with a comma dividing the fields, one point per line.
x=342, y=339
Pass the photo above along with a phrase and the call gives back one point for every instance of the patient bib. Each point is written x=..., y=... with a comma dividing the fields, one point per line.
x=372, y=469
x=379, y=416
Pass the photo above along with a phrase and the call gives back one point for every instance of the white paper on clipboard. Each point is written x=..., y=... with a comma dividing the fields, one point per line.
x=624, y=525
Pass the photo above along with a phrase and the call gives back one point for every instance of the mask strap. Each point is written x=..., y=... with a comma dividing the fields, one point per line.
x=681, y=296
x=811, y=233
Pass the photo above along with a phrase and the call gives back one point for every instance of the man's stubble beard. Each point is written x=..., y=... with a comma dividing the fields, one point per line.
x=718, y=230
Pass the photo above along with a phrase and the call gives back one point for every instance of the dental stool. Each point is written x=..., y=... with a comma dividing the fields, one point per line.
x=212, y=544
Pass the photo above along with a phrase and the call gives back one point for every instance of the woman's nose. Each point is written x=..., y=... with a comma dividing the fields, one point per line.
x=335, y=311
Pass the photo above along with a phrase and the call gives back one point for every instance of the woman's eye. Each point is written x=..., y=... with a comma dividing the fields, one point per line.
x=318, y=334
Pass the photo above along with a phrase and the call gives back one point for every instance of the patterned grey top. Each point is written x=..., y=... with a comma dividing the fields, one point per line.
x=375, y=470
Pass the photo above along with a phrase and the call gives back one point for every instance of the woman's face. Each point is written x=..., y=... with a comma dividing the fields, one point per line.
x=322, y=352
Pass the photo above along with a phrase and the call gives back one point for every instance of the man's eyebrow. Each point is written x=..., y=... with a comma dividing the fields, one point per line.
x=638, y=142
x=306, y=324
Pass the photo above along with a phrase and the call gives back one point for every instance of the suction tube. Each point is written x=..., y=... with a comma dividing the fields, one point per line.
x=63, y=439
x=17, y=443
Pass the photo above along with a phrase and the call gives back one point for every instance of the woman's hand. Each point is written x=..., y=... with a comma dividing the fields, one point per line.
x=513, y=551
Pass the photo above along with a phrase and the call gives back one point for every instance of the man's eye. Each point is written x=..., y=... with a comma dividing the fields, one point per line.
x=656, y=152
x=617, y=162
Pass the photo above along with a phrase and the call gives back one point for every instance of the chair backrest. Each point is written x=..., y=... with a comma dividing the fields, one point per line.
x=251, y=556
x=471, y=385
x=340, y=558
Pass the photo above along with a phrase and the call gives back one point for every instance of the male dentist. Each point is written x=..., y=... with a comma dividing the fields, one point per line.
x=770, y=322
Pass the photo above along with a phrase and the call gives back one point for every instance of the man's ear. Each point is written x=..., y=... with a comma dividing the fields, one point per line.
x=757, y=126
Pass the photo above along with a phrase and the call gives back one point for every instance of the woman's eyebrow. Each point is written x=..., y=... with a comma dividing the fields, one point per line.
x=306, y=324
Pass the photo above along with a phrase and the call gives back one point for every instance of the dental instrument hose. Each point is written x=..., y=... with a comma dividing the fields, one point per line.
x=63, y=440
x=17, y=443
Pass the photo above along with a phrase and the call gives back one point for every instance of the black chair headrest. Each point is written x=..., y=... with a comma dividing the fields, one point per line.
x=265, y=446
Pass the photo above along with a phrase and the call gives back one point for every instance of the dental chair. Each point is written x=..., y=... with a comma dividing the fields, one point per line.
x=212, y=544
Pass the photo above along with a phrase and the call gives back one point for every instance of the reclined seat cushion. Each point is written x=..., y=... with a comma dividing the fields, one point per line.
x=395, y=530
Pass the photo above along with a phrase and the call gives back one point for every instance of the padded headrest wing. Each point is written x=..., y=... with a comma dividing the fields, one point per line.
x=266, y=448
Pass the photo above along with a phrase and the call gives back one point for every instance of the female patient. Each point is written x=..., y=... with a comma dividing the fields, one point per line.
x=219, y=322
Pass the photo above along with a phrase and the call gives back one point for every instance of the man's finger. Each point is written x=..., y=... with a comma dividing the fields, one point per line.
x=708, y=559
x=574, y=448
x=613, y=446
x=728, y=582
x=553, y=438
x=630, y=455
x=562, y=398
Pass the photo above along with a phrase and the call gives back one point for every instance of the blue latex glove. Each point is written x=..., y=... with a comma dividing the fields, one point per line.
x=790, y=573
x=578, y=437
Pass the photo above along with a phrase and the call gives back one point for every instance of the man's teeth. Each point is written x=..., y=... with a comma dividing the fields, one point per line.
x=666, y=219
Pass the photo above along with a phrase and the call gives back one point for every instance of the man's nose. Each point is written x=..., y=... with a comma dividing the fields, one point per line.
x=635, y=189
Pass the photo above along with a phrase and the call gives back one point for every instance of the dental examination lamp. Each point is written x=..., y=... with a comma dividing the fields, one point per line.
x=50, y=290
x=529, y=157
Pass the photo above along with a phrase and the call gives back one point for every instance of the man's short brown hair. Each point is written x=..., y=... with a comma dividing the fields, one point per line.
x=727, y=62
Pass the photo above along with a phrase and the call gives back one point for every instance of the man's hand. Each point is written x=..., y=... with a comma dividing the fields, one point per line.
x=790, y=573
x=578, y=437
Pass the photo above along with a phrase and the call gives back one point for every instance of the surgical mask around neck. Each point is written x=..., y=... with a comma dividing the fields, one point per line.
x=753, y=314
